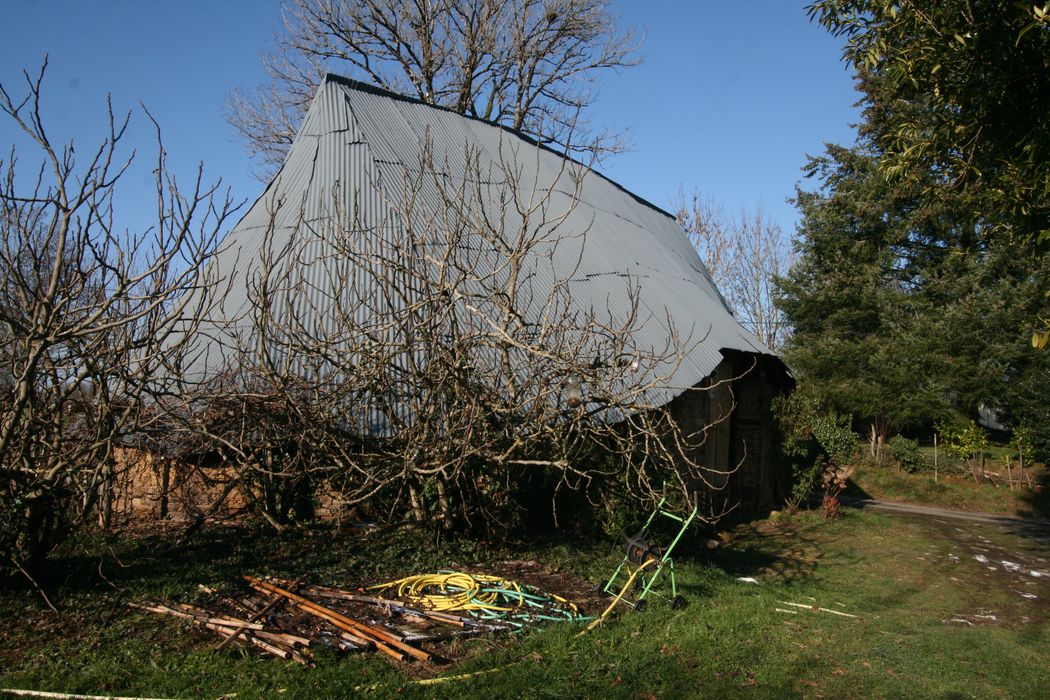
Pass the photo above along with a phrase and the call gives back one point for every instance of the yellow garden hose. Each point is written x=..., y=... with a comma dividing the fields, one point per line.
x=452, y=591
x=447, y=592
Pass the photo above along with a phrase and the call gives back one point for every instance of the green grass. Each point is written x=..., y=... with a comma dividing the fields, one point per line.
x=896, y=575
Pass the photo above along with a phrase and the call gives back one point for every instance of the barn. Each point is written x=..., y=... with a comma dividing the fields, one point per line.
x=365, y=158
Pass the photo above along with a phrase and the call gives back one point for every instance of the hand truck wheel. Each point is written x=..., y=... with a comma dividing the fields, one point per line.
x=678, y=602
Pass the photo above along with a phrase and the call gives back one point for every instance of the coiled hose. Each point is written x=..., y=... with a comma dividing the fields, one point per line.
x=480, y=595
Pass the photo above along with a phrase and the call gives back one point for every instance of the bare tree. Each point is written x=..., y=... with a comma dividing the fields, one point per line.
x=762, y=256
x=527, y=64
x=89, y=321
x=744, y=256
x=441, y=364
x=711, y=233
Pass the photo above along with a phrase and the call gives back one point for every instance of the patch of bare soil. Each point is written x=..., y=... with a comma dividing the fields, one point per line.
x=583, y=594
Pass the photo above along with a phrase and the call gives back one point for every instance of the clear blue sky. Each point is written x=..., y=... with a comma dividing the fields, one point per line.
x=730, y=96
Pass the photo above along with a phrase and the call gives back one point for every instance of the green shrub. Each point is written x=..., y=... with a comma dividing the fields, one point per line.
x=836, y=438
x=1023, y=442
x=806, y=476
x=794, y=415
x=809, y=439
x=907, y=454
x=966, y=444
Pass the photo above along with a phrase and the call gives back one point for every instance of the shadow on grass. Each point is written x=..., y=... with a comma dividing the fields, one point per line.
x=854, y=490
x=154, y=564
x=789, y=551
x=100, y=561
x=1037, y=499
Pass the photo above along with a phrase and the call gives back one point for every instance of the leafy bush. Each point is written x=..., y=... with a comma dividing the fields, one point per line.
x=794, y=415
x=811, y=442
x=806, y=477
x=907, y=454
x=835, y=437
x=1022, y=442
x=968, y=444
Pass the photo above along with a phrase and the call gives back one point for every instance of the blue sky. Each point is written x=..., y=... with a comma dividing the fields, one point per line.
x=729, y=98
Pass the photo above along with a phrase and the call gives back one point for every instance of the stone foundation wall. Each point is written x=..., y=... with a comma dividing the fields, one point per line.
x=148, y=488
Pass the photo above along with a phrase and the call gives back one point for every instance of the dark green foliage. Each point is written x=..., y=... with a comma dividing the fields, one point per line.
x=1028, y=407
x=964, y=93
x=811, y=441
x=794, y=415
x=835, y=437
x=922, y=249
x=858, y=338
x=906, y=452
x=32, y=522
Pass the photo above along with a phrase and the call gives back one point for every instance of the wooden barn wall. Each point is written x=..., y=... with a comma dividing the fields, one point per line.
x=730, y=411
x=734, y=406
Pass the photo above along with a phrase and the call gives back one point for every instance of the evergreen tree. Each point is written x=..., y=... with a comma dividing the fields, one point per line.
x=859, y=342
x=923, y=251
x=963, y=94
x=899, y=318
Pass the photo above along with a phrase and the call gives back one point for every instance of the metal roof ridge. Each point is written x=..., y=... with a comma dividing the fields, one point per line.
x=361, y=86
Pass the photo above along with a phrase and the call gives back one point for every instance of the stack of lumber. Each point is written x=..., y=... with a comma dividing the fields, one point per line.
x=276, y=642
x=285, y=619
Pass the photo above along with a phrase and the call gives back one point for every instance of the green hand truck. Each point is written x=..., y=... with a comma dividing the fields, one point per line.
x=644, y=562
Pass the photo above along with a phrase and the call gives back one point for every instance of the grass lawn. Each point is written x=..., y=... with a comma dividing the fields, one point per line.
x=938, y=614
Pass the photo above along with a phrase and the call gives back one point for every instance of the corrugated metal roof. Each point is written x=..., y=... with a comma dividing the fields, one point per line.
x=357, y=149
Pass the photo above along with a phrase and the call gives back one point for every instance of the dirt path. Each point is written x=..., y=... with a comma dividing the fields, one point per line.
x=1032, y=528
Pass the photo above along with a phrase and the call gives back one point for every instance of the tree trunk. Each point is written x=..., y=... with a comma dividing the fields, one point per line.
x=419, y=514
x=165, y=486
x=443, y=504
x=105, y=512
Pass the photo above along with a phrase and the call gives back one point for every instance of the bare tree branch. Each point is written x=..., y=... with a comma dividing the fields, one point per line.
x=88, y=321
x=527, y=64
x=743, y=256
x=431, y=365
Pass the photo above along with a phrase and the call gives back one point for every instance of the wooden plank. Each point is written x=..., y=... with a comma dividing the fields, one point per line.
x=381, y=638
x=383, y=641
x=292, y=640
x=255, y=616
x=196, y=617
x=392, y=604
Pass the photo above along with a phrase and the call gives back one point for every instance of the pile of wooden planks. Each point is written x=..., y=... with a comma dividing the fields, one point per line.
x=278, y=643
x=285, y=619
